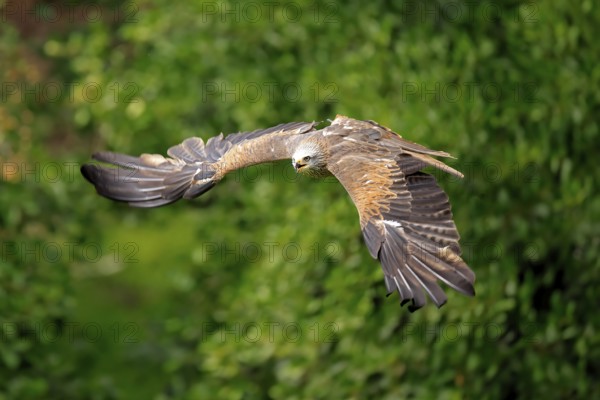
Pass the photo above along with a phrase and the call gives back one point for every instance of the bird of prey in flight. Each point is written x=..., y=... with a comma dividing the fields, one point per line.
x=404, y=215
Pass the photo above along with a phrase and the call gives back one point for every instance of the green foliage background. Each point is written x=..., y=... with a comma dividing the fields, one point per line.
x=263, y=288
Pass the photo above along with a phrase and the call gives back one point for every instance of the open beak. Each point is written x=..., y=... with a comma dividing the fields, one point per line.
x=298, y=165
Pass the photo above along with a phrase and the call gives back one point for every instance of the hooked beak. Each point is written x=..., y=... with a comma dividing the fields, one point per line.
x=298, y=165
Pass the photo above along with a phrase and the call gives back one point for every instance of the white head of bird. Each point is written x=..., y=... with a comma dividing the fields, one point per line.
x=309, y=159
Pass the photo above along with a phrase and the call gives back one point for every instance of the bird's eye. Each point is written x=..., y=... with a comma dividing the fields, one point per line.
x=307, y=158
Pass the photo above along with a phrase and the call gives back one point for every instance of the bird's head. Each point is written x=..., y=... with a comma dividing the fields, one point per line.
x=309, y=159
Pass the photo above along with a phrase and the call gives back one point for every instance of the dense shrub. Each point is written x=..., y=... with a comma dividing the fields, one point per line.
x=263, y=288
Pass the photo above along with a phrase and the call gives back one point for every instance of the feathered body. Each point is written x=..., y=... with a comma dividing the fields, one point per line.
x=404, y=215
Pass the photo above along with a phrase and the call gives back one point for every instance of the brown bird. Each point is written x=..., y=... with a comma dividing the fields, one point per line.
x=404, y=215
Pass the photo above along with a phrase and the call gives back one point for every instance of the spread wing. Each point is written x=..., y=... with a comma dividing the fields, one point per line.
x=405, y=216
x=192, y=167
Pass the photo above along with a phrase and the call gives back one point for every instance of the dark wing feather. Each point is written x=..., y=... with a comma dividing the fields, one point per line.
x=145, y=181
x=193, y=168
x=405, y=218
x=299, y=127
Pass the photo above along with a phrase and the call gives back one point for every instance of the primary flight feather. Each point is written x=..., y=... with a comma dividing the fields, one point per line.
x=404, y=215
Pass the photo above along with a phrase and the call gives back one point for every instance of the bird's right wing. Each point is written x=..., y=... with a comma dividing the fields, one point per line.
x=192, y=167
x=404, y=215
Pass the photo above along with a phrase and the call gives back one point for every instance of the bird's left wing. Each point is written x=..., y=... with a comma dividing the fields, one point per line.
x=405, y=219
x=192, y=167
